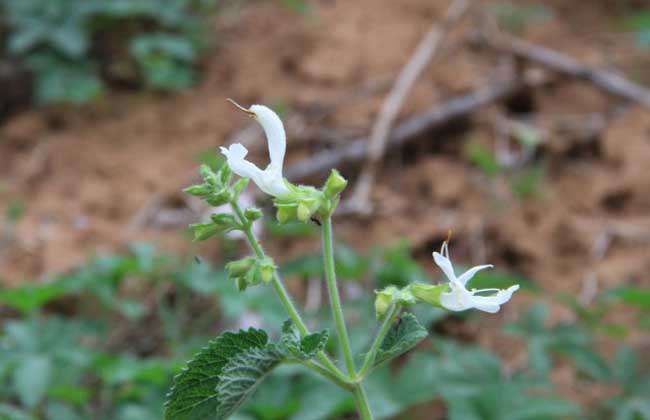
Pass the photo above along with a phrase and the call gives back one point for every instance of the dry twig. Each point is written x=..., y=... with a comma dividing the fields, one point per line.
x=609, y=81
x=423, y=54
x=438, y=115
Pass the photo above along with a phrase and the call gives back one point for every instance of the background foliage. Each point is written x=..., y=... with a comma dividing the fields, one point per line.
x=75, y=48
x=75, y=347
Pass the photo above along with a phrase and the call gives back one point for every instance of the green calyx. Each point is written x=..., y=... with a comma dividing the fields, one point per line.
x=251, y=271
x=334, y=185
x=409, y=295
x=216, y=188
x=303, y=202
x=299, y=205
x=390, y=296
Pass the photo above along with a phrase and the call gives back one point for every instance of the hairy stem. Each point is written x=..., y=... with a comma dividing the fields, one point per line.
x=381, y=334
x=363, y=406
x=282, y=293
x=335, y=300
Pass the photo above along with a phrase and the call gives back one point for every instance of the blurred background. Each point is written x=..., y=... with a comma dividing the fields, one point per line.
x=526, y=131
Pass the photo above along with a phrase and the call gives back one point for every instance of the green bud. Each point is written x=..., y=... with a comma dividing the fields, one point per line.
x=286, y=212
x=253, y=213
x=225, y=174
x=220, y=198
x=240, y=186
x=203, y=231
x=383, y=301
x=241, y=284
x=253, y=276
x=392, y=295
x=240, y=267
x=198, y=190
x=225, y=221
x=303, y=212
x=428, y=293
x=335, y=184
x=208, y=175
x=267, y=269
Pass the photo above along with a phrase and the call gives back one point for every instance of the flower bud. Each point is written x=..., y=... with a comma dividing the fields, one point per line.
x=253, y=213
x=241, y=284
x=198, y=190
x=224, y=221
x=219, y=198
x=286, y=212
x=240, y=267
x=390, y=296
x=239, y=186
x=203, y=231
x=303, y=212
x=208, y=175
x=335, y=184
x=267, y=269
x=225, y=175
x=383, y=301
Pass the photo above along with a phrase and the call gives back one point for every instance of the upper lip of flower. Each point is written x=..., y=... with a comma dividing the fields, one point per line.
x=459, y=297
x=269, y=180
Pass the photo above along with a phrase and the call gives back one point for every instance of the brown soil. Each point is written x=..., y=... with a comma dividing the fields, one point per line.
x=86, y=174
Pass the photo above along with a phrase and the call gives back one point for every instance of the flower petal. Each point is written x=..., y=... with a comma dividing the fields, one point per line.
x=467, y=275
x=492, y=303
x=275, y=134
x=445, y=265
x=245, y=169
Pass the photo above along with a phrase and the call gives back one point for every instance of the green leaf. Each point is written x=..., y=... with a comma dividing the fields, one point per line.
x=195, y=394
x=402, y=337
x=636, y=296
x=29, y=298
x=31, y=378
x=242, y=375
x=305, y=348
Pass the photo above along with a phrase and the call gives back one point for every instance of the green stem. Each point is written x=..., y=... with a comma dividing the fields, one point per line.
x=328, y=374
x=362, y=402
x=284, y=295
x=381, y=334
x=335, y=300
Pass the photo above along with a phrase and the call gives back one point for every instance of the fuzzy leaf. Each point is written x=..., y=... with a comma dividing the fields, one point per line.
x=194, y=394
x=402, y=337
x=302, y=348
x=242, y=375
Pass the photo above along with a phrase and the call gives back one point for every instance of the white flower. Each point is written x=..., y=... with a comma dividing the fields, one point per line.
x=459, y=298
x=269, y=180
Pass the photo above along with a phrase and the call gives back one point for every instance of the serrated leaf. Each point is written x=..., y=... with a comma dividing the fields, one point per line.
x=242, y=375
x=194, y=394
x=402, y=337
x=302, y=348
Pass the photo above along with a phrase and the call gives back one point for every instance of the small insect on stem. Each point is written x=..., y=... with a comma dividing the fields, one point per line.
x=315, y=220
x=197, y=259
x=241, y=108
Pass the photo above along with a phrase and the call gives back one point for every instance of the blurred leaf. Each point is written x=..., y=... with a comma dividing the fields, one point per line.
x=7, y=412
x=396, y=266
x=528, y=183
x=515, y=18
x=59, y=80
x=31, y=378
x=482, y=157
x=31, y=297
x=635, y=296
